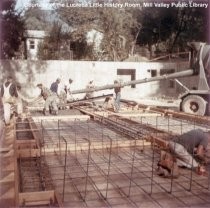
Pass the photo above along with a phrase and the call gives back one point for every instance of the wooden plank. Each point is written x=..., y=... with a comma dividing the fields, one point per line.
x=9, y=194
x=131, y=115
x=58, y=199
x=26, y=130
x=9, y=167
x=8, y=178
x=97, y=145
x=25, y=141
x=28, y=153
x=158, y=139
x=61, y=117
x=37, y=198
x=16, y=171
x=6, y=149
x=36, y=134
x=27, y=146
x=37, y=203
x=9, y=154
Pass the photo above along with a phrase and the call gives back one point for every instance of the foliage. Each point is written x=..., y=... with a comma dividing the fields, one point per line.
x=12, y=29
x=51, y=45
x=173, y=26
x=168, y=29
x=119, y=29
x=117, y=25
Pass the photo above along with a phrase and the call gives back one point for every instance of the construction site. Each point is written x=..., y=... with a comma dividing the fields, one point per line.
x=91, y=156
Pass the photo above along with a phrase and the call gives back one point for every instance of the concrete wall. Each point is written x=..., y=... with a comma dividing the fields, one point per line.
x=30, y=73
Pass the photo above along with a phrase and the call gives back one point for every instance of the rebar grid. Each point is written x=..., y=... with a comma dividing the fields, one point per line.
x=169, y=124
x=77, y=130
x=110, y=176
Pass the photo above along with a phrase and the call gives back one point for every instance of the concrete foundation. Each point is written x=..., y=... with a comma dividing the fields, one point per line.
x=101, y=159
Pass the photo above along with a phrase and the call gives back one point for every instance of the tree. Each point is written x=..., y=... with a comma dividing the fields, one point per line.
x=173, y=26
x=190, y=22
x=81, y=20
x=118, y=26
x=12, y=28
x=50, y=47
x=124, y=28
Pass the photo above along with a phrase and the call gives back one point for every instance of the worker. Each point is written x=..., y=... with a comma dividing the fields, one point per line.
x=190, y=147
x=67, y=86
x=108, y=103
x=67, y=89
x=117, y=91
x=90, y=86
x=54, y=86
x=9, y=97
x=51, y=100
x=8, y=90
x=187, y=150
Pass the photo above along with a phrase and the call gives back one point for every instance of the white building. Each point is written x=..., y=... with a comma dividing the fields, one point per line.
x=33, y=38
x=95, y=37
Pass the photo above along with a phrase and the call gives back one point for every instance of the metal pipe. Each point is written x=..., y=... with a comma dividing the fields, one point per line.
x=113, y=182
x=20, y=175
x=140, y=81
x=153, y=161
x=64, y=174
x=59, y=137
x=132, y=167
x=87, y=168
x=107, y=178
x=181, y=84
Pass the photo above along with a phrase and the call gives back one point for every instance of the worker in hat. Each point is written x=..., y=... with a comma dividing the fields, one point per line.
x=51, y=100
x=90, y=86
x=67, y=89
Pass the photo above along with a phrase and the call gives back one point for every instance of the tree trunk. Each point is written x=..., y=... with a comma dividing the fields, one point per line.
x=134, y=42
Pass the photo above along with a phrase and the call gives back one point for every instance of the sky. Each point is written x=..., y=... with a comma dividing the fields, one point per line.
x=24, y=4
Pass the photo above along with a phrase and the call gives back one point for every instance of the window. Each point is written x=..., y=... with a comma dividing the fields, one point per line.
x=32, y=44
x=153, y=72
x=131, y=72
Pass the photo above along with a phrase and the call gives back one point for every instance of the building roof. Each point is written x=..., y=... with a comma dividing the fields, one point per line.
x=35, y=34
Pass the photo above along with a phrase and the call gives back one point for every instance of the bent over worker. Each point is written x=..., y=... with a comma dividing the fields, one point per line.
x=51, y=100
x=190, y=147
x=90, y=86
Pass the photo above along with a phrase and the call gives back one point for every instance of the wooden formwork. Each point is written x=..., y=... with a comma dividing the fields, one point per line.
x=11, y=150
x=44, y=198
x=88, y=170
x=8, y=168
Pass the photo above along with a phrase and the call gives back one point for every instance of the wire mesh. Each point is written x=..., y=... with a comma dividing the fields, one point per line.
x=94, y=163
